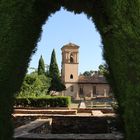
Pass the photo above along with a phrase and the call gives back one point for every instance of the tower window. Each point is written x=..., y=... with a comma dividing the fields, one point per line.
x=71, y=76
x=71, y=58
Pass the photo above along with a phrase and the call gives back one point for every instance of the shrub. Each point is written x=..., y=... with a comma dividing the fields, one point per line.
x=57, y=101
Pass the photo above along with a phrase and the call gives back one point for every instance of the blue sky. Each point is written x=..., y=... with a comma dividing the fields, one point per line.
x=64, y=27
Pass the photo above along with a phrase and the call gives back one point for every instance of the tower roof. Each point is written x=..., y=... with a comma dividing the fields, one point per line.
x=70, y=46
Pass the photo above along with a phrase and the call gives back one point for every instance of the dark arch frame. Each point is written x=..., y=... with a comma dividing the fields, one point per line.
x=119, y=26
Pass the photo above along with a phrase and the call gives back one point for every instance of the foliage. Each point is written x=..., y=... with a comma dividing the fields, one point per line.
x=34, y=85
x=46, y=101
x=56, y=83
x=53, y=69
x=41, y=66
x=88, y=73
x=118, y=22
x=103, y=70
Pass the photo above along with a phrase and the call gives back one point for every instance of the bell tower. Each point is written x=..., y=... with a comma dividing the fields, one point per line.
x=70, y=63
x=69, y=71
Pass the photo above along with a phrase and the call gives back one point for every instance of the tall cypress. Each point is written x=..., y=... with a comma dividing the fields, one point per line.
x=56, y=83
x=41, y=66
x=53, y=69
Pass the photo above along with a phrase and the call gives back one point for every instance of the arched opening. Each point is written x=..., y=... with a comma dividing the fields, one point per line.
x=21, y=30
x=71, y=58
x=71, y=76
x=58, y=25
x=65, y=27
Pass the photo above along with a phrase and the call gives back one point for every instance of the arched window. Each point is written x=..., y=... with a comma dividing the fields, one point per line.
x=71, y=76
x=71, y=58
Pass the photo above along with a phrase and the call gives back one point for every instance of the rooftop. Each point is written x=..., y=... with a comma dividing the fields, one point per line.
x=70, y=46
x=97, y=79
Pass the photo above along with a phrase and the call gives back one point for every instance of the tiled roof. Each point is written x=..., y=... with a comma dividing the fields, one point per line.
x=97, y=79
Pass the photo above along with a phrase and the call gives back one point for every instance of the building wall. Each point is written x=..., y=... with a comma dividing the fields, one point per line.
x=68, y=70
x=71, y=90
x=89, y=90
x=95, y=90
x=103, y=90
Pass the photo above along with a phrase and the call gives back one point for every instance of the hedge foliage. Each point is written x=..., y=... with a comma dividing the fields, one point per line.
x=43, y=101
x=118, y=22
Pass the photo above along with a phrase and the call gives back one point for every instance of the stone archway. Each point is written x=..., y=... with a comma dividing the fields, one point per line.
x=119, y=25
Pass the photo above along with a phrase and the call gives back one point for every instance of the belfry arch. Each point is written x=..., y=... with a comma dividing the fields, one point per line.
x=119, y=26
x=71, y=58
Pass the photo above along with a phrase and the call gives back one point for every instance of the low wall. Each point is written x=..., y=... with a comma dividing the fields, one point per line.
x=89, y=110
x=45, y=111
x=80, y=124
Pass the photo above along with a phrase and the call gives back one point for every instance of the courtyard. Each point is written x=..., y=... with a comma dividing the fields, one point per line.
x=76, y=122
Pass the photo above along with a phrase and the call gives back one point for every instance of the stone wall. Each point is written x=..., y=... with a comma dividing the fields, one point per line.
x=101, y=90
x=79, y=124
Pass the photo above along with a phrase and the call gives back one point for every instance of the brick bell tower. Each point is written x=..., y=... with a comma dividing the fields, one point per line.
x=69, y=71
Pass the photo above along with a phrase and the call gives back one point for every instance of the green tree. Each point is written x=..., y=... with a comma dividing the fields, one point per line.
x=53, y=69
x=103, y=69
x=47, y=70
x=56, y=83
x=34, y=85
x=88, y=73
x=41, y=66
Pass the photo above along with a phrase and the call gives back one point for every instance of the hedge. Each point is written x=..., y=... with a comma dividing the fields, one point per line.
x=43, y=101
x=118, y=22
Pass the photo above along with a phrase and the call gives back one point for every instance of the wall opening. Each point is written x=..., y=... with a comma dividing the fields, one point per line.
x=71, y=76
x=64, y=27
x=71, y=58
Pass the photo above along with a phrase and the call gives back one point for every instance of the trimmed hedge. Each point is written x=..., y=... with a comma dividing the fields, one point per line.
x=43, y=101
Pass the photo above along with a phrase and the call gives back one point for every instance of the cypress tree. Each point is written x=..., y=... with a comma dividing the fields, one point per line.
x=56, y=83
x=53, y=69
x=41, y=66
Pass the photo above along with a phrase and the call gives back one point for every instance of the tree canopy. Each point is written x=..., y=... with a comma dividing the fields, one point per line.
x=41, y=66
x=88, y=73
x=103, y=69
x=40, y=83
x=53, y=69
x=34, y=85
x=56, y=83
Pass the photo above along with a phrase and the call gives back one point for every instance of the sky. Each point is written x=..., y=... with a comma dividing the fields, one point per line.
x=64, y=27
